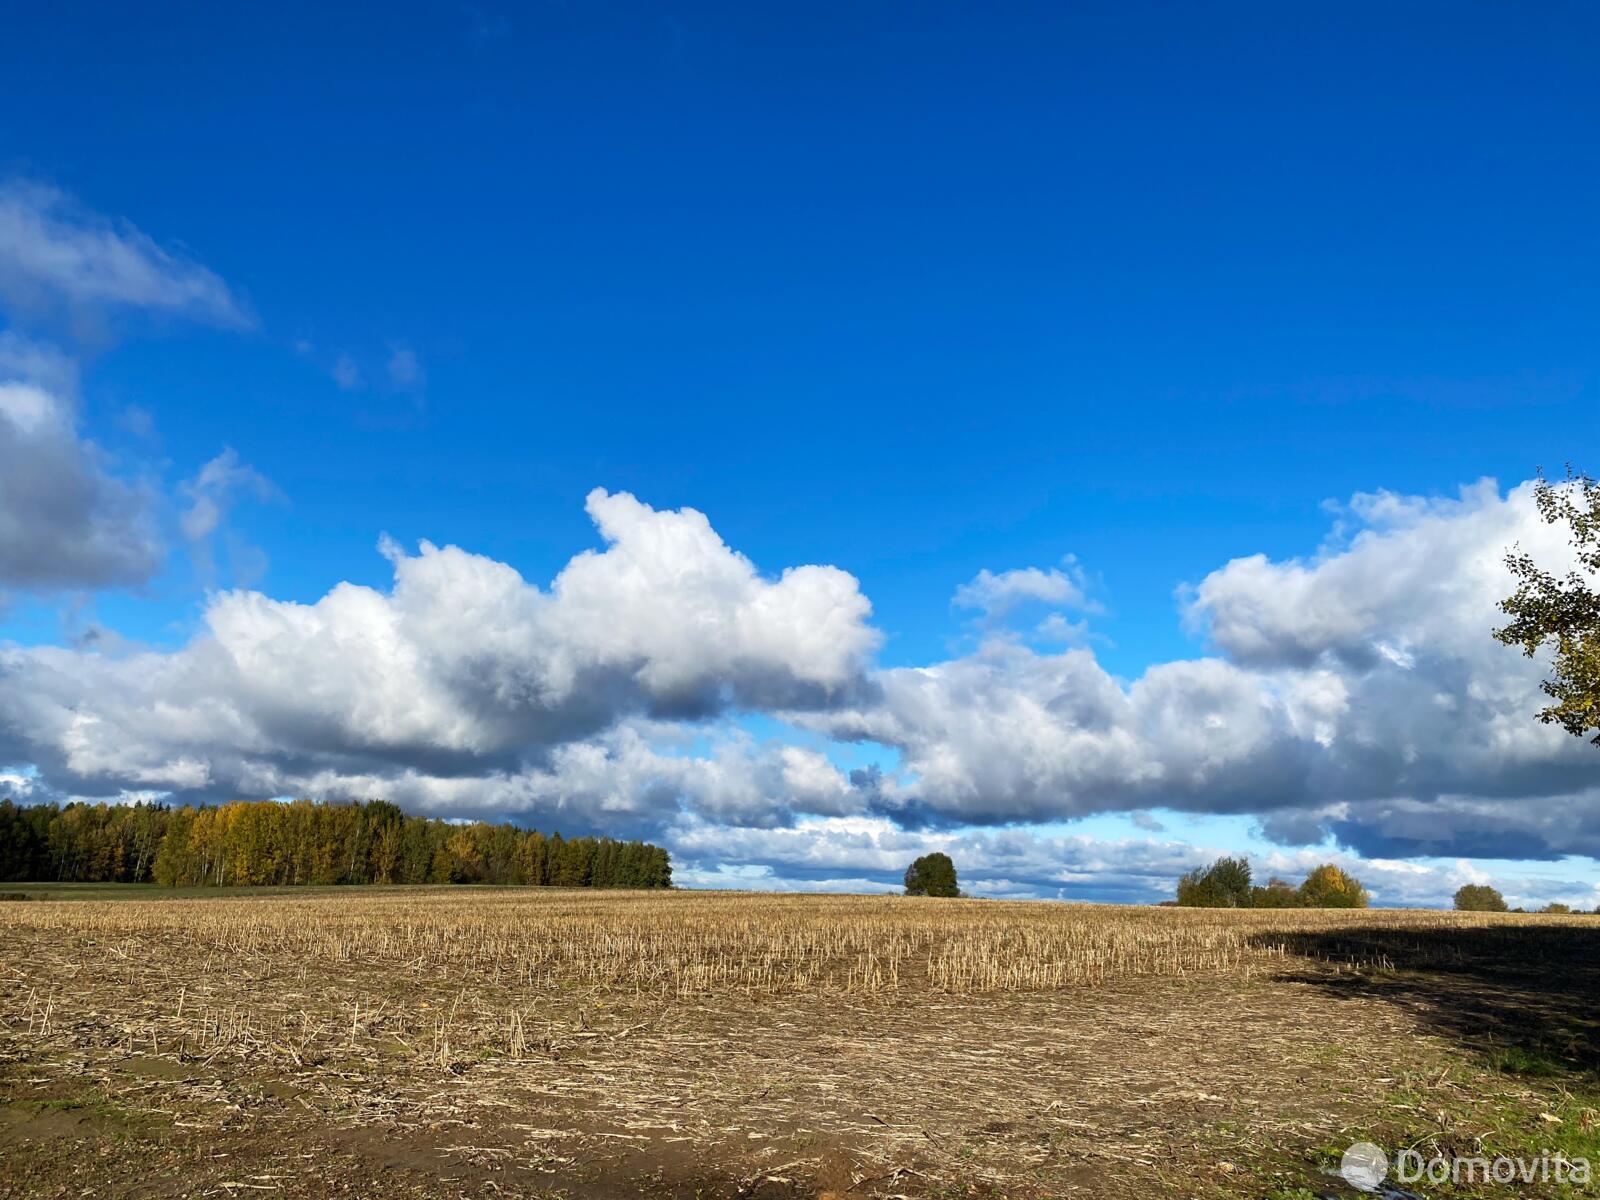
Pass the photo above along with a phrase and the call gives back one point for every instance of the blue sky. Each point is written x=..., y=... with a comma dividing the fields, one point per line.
x=915, y=292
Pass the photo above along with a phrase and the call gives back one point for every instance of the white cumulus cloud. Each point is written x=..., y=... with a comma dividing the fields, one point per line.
x=461, y=671
x=997, y=594
x=1357, y=694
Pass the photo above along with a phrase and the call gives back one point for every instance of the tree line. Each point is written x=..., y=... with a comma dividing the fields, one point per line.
x=1480, y=897
x=266, y=842
x=1226, y=883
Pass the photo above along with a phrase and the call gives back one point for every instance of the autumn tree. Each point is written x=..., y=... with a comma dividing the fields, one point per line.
x=1562, y=612
x=1329, y=887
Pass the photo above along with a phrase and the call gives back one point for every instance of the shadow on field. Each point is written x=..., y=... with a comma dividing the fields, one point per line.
x=1527, y=996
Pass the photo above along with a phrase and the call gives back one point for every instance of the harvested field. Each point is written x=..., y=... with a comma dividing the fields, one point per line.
x=443, y=1042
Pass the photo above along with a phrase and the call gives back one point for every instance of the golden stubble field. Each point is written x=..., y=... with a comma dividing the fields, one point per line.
x=516, y=1042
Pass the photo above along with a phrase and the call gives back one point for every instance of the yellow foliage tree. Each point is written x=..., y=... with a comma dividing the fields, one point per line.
x=1329, y=887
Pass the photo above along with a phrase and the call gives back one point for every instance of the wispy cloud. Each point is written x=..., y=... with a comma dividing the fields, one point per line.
x=347, y=374
x=57, y=256
x=210, y=495
x=405, y=370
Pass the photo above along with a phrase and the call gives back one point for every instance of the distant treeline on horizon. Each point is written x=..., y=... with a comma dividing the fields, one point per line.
x=266, y=842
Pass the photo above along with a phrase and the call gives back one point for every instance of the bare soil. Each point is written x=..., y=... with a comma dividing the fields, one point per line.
x=1116, y=1090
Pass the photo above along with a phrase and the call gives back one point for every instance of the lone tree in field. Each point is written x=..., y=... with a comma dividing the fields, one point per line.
x=1563, y=613
x=1224, y=884
x=1479, y=897
x=1329, y=887
x=932, y=875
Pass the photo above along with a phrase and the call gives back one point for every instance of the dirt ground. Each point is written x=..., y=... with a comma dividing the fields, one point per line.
x=1245, y=1082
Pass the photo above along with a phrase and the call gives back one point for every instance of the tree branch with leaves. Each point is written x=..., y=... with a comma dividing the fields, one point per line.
x=1562, y=612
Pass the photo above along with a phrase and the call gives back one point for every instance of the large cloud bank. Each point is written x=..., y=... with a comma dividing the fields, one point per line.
x=1356, y=693
x=462, y=675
